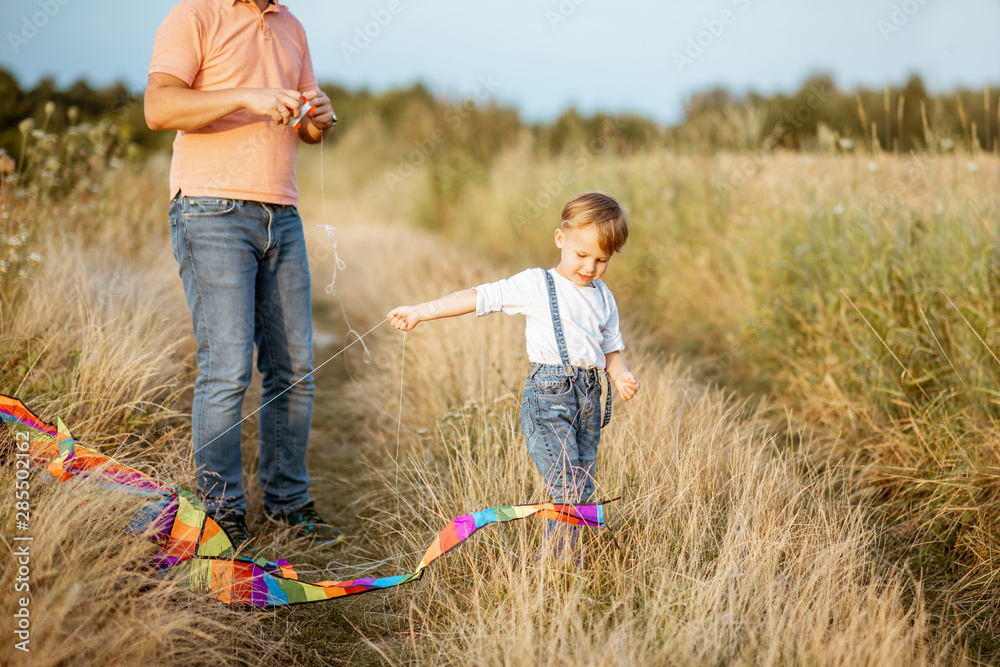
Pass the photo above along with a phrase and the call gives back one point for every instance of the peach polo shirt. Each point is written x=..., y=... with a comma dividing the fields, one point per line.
x=220, y=44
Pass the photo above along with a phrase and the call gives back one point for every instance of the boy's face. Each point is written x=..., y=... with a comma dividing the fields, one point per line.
x=583, y=260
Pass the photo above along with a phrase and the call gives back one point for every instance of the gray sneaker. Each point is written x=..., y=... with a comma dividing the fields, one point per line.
x=235, y=528
x=306, y=522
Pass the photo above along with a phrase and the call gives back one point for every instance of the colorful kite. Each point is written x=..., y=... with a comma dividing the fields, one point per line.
x=195, y=548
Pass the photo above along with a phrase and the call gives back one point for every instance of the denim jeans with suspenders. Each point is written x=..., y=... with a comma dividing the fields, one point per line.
x=561, y=421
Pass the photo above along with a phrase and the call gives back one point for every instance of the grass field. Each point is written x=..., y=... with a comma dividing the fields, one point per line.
x=808, y=476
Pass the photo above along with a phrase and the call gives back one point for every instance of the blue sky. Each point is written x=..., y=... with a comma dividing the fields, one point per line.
x=639, y=55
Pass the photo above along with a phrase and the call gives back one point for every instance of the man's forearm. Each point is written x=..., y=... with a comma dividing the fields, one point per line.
x=181, y=108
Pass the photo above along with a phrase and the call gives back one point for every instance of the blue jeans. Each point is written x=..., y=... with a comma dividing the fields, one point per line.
x=246, y=277
x=561, y=421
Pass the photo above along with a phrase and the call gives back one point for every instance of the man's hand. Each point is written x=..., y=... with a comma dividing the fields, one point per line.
x=320, y=118
x=322, y=114
x=627, y=385
x=280, y=104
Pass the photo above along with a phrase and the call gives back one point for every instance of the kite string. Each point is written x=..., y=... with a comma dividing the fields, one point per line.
x=331, y=289
x=399, y=423
x=289, y=387
x=340, y=265
x=333, y=567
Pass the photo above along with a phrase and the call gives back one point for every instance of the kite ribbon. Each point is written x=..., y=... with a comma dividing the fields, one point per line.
x=197, y=550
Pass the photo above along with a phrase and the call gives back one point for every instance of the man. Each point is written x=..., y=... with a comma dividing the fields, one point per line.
x=230, y=76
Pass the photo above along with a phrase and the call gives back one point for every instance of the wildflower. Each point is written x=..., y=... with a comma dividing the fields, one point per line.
x=947, y=144
x=3, y=265
x=872, y=166
x=846, y=143
x=15, y=241
x=25, y=126
x=35, y=257
x=50, y=108
x=72, y=114
x=838, y=209
x=973, y=166
x=7, y=163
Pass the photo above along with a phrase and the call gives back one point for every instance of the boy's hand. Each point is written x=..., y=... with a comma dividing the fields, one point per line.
x=627, y=385
x=461, y=302
x=404, y=318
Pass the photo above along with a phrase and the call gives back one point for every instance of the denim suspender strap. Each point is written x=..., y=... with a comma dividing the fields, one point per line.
x=557, y=325
x=561, y=342
x=607, y=402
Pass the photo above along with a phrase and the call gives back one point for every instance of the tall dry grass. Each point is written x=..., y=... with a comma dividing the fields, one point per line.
x=96, y=600
x=860, y=291
x=92, y=316
x=740, y=543
x=94, y=328
x=733, y=549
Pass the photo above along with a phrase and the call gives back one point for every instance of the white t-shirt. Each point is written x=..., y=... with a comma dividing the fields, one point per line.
x=589, y=316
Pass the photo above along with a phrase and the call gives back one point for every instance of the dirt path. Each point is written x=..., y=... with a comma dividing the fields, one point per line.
x=340, y=631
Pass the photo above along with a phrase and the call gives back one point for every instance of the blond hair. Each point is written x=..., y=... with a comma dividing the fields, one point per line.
x=603, y=210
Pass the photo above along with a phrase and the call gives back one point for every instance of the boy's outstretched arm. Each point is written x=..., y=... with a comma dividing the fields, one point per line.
x=456, y=303
x=618, y=370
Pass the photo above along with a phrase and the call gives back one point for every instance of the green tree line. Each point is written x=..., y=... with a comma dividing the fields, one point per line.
x=817, y=117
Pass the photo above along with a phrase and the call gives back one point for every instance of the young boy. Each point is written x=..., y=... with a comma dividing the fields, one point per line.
x=572, y=335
